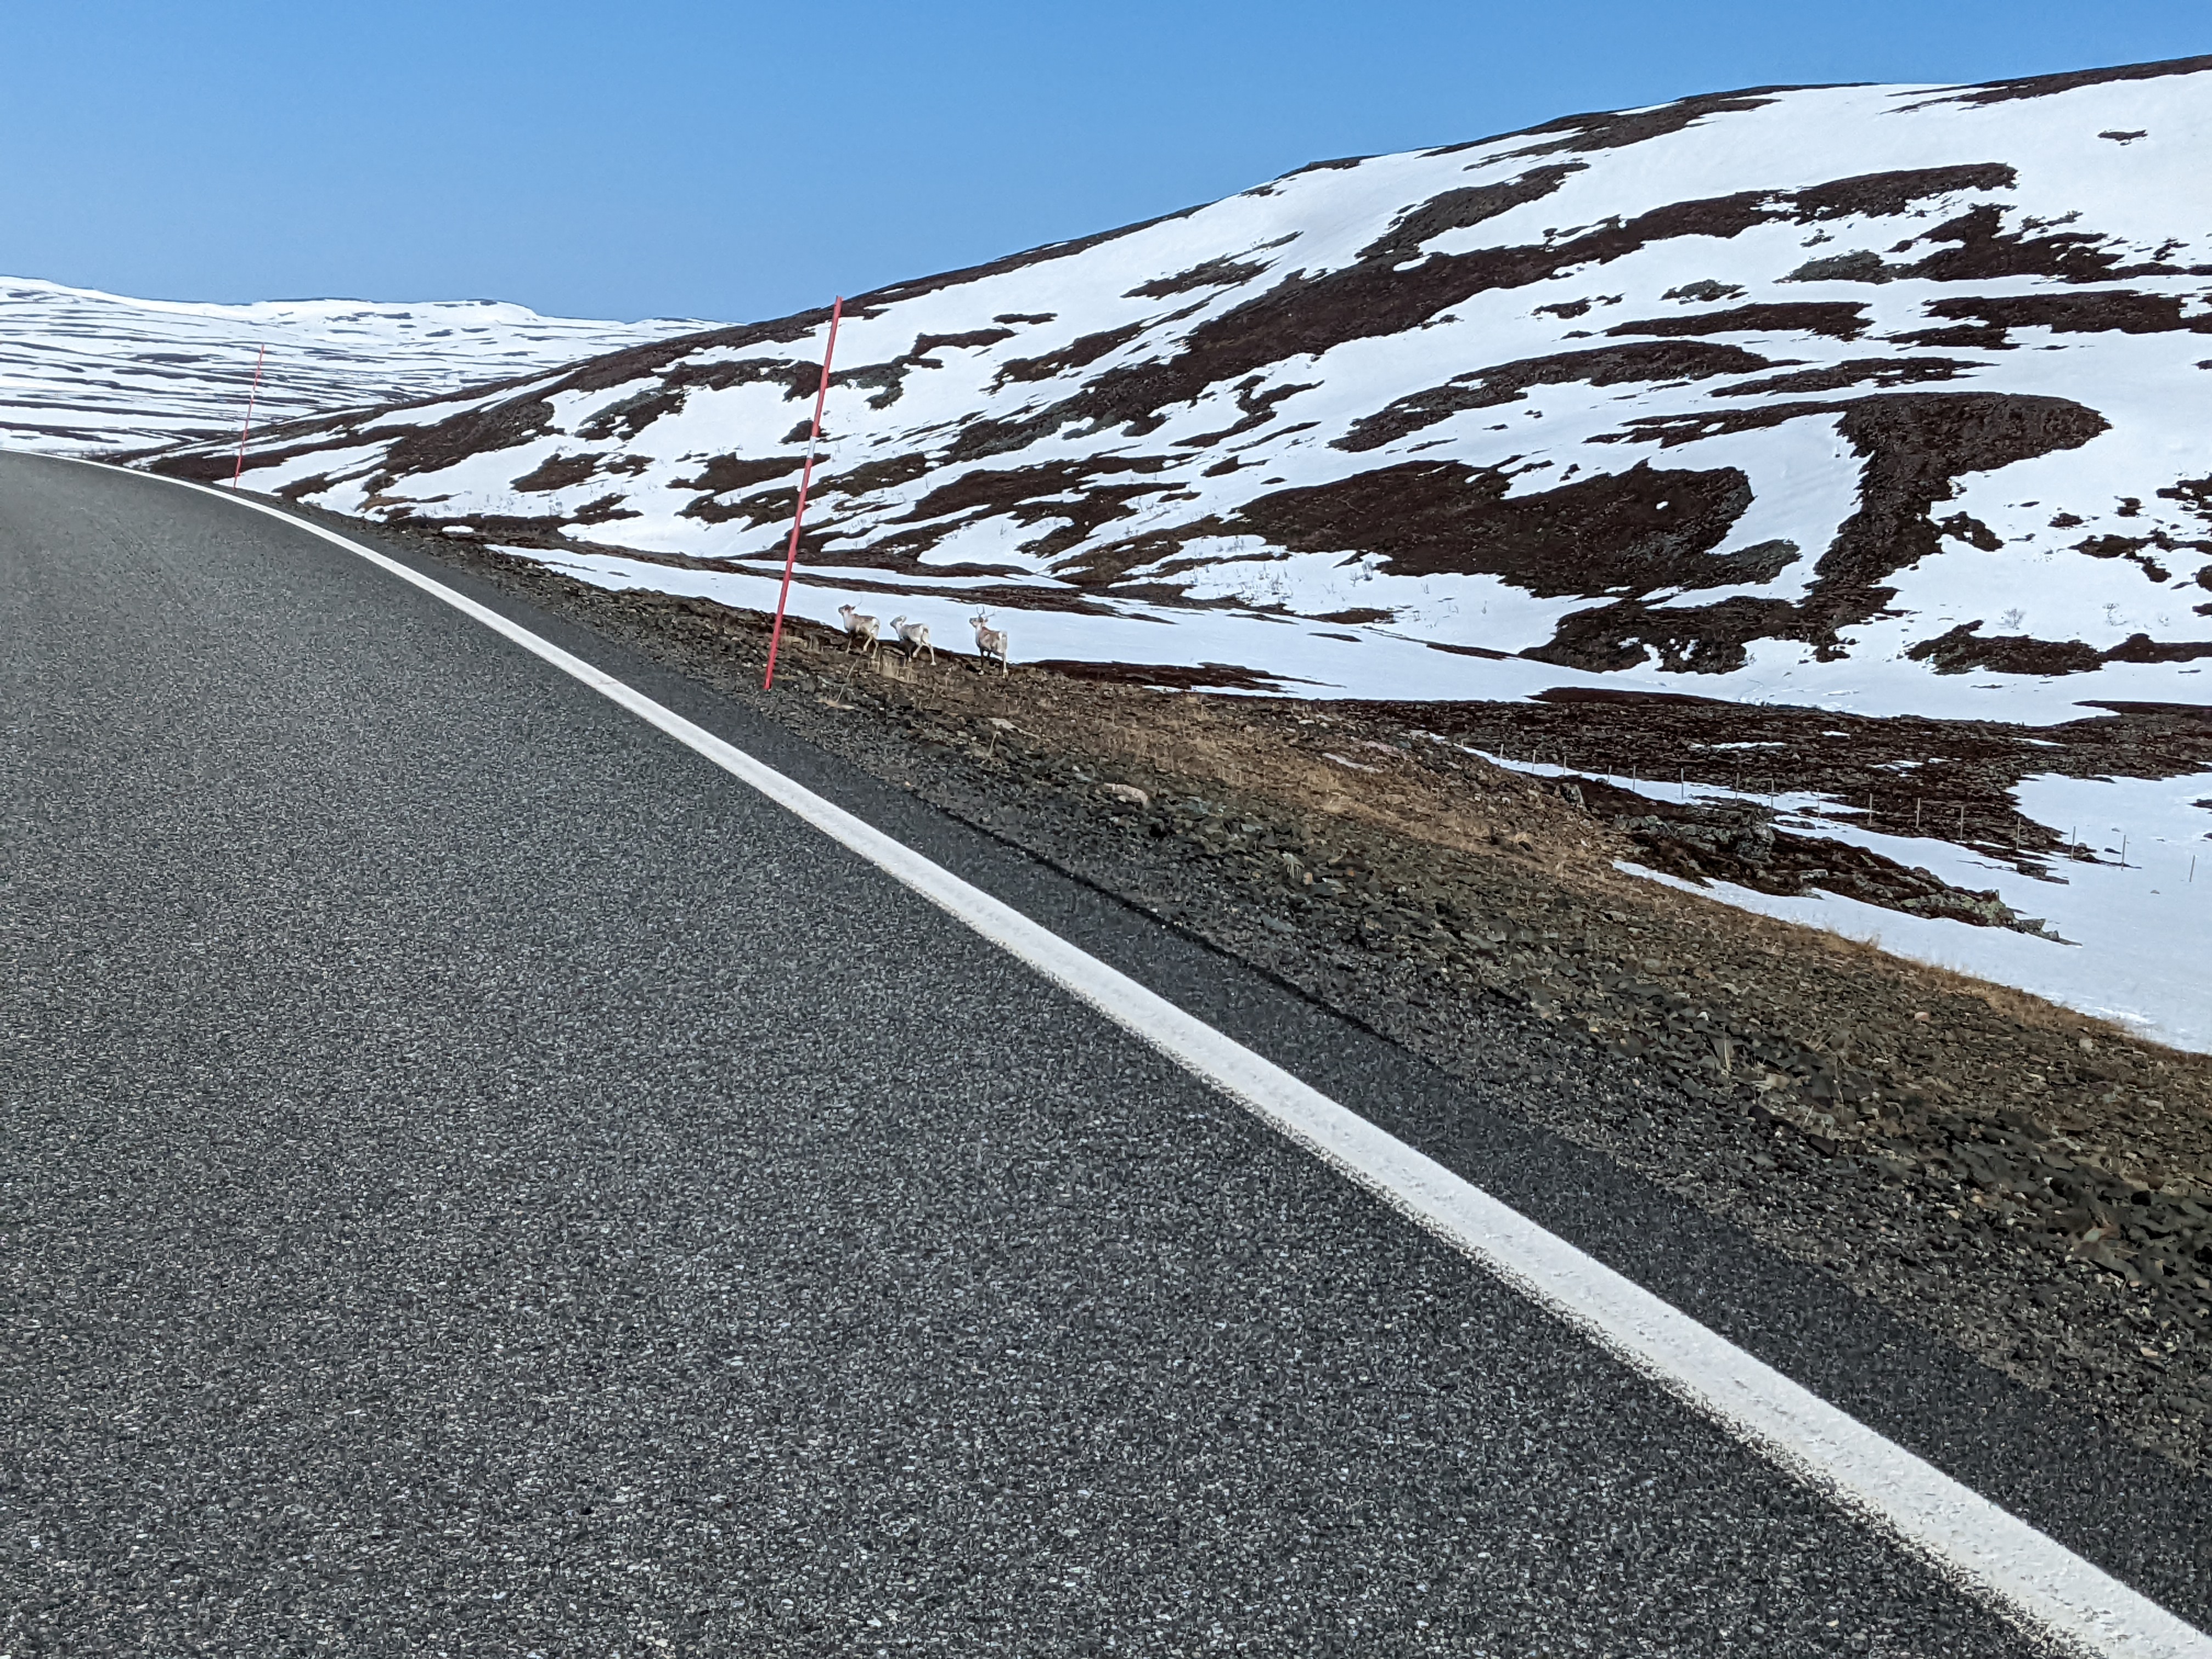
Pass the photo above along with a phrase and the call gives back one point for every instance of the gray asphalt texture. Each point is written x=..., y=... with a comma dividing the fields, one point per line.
x=478, y=1179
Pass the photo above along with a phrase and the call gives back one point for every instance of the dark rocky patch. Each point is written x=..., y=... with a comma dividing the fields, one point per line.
x=888, y=378
x=872, y=476
x=2195, y=494
x=621, y=421
x=1704, y=293
x=558, y=472
x=2043, y=86
x=2134, y=549
x=1630, y=531
x=604, y=508
x=1222, y=272
x=1982, y=251
x=1963, y=650
x=1006, y=490
x=761, y=507
x=724, y=473
x=876, y=299
x=1258, y=409
x=1616, y=129
x=1964, y=527
x=1860, y=265
x=1887, y=195
x=1711, y=639
x=1026, y=316
x=1672, y=360
x=432, y=448
x=1736, y=842
x=1838, y=319
x=2140, y=647
x=1465, y=208
x=1312, y=314
x=1859, y=371
x=1077, y=353
x=1913, y=444
x=1018, y=493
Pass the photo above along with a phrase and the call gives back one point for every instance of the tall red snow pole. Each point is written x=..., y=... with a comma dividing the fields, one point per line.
x=250, y=392
x=805, y=477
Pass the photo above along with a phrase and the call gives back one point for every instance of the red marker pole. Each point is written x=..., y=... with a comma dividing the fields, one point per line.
x=805, y=477
x=258, y=358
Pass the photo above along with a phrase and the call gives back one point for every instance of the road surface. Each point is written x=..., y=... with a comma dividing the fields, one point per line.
x=481, y=1180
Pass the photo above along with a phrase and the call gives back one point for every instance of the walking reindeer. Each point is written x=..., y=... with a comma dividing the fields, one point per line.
x=916, y=638
x=860, y=630
x=990, y=642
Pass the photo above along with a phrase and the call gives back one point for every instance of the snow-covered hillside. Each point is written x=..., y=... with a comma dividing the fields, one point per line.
x=1884, y=397
x=83, y=371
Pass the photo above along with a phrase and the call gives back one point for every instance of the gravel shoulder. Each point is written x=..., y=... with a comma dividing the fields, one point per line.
x=2029, y=1184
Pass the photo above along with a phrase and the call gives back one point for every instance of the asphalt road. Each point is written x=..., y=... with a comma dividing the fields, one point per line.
x=478, y=1179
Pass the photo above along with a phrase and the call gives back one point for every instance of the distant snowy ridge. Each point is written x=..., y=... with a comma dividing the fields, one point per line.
x=81, y=370
x=1886, y=399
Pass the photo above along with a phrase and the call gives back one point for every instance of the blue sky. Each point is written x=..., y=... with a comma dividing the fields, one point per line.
x=741, y=160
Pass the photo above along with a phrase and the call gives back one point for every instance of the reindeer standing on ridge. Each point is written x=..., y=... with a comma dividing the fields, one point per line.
x=859, y=628
x=990, y=642
x=915, y=635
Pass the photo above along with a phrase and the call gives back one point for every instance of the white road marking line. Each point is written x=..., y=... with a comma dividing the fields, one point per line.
x=2031, y=1578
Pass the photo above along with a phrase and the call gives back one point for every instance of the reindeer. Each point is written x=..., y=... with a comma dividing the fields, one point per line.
x=916, y=638
x=990, y=642
x=858, y=628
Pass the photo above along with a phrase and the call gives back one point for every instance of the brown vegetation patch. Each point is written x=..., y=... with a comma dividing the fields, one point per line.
x=1711, y=639
x=1224, y=272
x=888, y=378
x=1859, y=371
x=1885, y=195
x=1984, y=252
x=1083, y=350
x=623, y=419
x=1465, y=208
x=2140, y=647
x=1838, y=319
x=1643, y=362
x=2043, y=86
x=1963, y=650
x=872, y=476
x=1912, y=444
x=2117, y=313
x=1628, y=531
x=433, y=448
x=1020, y=493
x=558, y=472
x=876, y=300
x=1615, y=130
x=724, y=473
